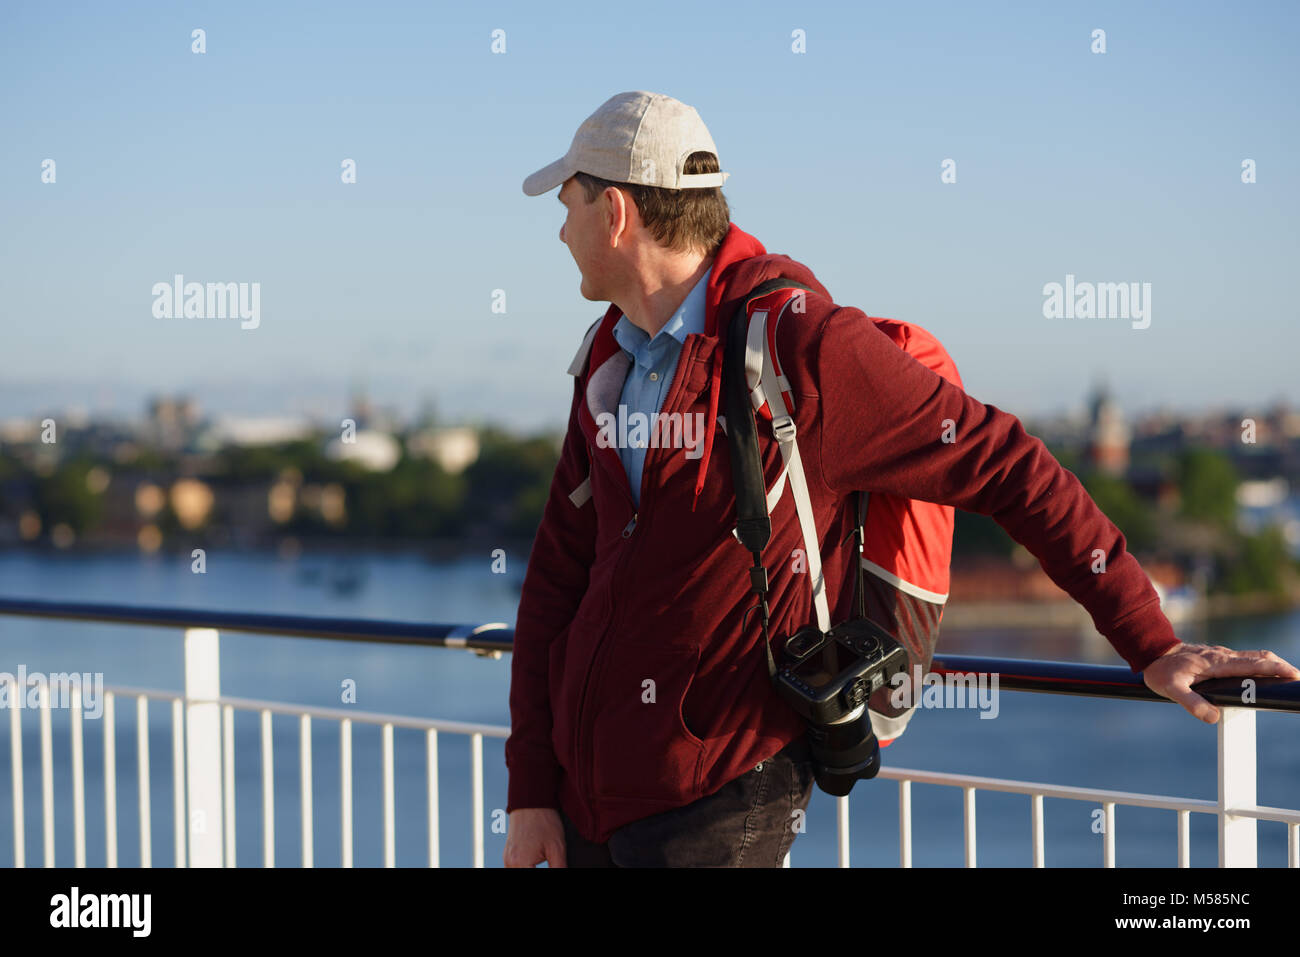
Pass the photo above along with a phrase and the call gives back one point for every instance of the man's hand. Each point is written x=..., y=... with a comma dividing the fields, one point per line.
x=533, y=835
x=1173, y=673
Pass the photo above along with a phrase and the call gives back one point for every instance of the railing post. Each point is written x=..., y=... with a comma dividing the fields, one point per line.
x=47, y=773
x=345, y=789
x=842, y=828
x=203, y=746
x=110, y=781
x=78, y=779
x=268, y=792
x=968, y=825
x=143, y=779
x=904, y=823
x=476, y=794
x=16, y=771
x=1237, y=835
x=1036, y=821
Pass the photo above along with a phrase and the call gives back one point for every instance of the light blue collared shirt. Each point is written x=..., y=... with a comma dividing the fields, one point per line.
x=654, y=362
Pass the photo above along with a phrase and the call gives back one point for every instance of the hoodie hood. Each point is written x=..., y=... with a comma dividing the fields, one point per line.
x=740, y=265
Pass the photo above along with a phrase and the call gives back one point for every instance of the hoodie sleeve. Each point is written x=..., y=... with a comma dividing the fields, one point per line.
x=890, y=424
x=553, y=587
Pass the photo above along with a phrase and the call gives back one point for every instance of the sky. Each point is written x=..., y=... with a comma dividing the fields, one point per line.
x=225, y=166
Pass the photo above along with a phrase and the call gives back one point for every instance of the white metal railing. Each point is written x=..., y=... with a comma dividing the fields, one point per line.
x=210, y=846
x=203, y=776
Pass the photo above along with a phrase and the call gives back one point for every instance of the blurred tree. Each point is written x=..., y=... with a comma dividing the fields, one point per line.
x=1260, y=565
x=1116, y=498
x=64, y=497
x=509, y=482
x=243, y=463
x=975, y=534
x=10, y=468
x=415, y=499
x=1208, y=481
x=1068, y=457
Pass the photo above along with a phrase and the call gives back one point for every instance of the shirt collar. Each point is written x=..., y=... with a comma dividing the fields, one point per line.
x=688, y=319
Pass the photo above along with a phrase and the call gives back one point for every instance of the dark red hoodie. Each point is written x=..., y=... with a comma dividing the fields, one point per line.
x=634, y=688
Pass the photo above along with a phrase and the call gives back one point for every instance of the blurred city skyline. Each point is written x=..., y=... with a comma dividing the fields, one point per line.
x=225, y=166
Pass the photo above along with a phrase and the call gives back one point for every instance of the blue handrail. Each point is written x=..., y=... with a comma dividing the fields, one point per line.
x=1051, y=677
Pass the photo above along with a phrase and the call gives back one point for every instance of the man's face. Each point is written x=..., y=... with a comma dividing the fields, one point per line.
x=583, y=232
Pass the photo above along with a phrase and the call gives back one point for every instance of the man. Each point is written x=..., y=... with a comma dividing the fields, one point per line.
x=645, y=730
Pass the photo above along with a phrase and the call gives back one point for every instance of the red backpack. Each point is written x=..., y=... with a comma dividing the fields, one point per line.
x=907, y=544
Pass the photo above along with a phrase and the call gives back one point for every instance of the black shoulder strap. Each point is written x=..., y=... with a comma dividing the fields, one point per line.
x=753, y=524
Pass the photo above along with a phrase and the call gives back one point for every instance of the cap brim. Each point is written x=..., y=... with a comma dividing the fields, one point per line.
x=548, y=177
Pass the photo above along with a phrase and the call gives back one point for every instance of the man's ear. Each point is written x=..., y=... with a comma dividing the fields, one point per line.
x=616, y=214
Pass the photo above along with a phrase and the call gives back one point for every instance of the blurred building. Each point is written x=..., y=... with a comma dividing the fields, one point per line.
x=454, y=449
x=171, y=423
x=375, y=451
x=1108, y=434
x=251, y=431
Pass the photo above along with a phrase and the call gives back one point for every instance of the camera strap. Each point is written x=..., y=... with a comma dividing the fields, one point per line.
x=753, y=384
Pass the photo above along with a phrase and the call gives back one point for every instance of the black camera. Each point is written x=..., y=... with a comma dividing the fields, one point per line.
x=828, y=678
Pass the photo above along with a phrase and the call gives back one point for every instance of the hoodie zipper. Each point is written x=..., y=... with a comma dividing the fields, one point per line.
x=586, y=765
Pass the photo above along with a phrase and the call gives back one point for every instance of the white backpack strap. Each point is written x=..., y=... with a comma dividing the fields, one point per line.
x=580, y=495
x=771, y=392
x=575, y=367
x=755, y=349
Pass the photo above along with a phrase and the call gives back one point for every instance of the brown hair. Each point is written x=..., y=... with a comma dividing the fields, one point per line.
x=679, y=219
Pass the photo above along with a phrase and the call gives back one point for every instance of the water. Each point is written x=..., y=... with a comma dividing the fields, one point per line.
x=1133, y=746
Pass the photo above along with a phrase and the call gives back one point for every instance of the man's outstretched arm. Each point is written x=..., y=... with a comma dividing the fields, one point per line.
x=891, y=424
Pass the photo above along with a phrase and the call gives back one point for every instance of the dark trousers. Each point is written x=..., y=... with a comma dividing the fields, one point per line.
x=750, y=822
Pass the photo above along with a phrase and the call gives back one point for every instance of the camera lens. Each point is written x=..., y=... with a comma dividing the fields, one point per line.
x=844, y=753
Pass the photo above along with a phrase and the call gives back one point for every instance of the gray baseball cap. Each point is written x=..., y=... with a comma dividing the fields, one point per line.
x=637, y=137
